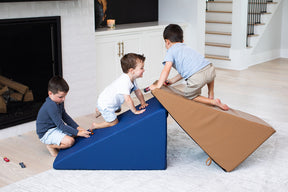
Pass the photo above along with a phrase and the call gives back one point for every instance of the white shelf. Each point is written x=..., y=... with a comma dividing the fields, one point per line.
x=133, y=27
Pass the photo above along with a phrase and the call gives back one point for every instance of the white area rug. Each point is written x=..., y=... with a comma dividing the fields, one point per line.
x=265, y=170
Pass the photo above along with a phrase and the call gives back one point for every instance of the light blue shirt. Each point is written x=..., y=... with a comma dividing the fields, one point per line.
x=185, y=60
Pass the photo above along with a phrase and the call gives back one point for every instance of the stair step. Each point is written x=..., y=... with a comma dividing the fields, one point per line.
x=218, y=11
x=256, y=24
x=221, y=22
x=216, y=38
x=262, y=3
x=218, y=33
x=218, y=27
x=218, y=17
x=217, y=57
x=219, y=6
x=218, y=44
x=219, y=1
x=264, y=13
x=213, y=50
x=254, y=35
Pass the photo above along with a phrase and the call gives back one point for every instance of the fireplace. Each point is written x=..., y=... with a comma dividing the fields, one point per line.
x=30, y=52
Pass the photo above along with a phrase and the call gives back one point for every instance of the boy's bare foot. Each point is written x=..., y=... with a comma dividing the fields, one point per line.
x=98, y=114
x=221, y=105
x=52, y=151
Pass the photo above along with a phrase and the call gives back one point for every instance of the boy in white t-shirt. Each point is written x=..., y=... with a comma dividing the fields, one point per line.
x=118, y=92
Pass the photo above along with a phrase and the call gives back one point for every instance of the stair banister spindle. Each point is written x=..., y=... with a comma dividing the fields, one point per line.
x=264, y=6
x=253, y=11
x=258, y=11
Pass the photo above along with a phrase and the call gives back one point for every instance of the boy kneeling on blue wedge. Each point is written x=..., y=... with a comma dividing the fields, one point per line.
x=118, y=92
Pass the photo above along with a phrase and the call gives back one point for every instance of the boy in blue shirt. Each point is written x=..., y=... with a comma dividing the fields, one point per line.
x=54, y=126
x=190, y=65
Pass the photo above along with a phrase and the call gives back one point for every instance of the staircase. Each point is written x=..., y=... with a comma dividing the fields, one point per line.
x=218, y=31
x=259, y=12
x=218, y=37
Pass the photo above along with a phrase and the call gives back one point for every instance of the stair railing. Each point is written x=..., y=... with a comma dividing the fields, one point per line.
x=255, y=9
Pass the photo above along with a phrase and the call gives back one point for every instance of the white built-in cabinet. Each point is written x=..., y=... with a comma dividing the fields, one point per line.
x=111, y=45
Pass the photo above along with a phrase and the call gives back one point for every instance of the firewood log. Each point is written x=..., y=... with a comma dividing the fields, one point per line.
x=3, y=107
x=14, y=96
x=13, y=85
x=3, y=90
x=28, y=96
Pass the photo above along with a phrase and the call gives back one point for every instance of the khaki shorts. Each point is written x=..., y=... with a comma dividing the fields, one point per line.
x=198, y=80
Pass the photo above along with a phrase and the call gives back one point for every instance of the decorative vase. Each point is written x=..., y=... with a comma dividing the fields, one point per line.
x=99, y=15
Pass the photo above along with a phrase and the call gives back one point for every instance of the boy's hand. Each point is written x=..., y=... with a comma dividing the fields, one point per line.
x=83, y=133
x=152, y=87
x=167, y=82
x=143, y=106
x=80, y=128
x=139, y=112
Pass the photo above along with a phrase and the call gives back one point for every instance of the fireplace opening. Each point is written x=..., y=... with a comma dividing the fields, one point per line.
x=30, y=53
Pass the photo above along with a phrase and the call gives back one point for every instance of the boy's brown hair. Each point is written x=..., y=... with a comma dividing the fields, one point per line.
x=129, y=61
x=173, y=33
x=56, y=84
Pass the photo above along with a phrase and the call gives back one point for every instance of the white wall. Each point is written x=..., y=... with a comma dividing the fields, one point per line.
x=78, y=45
x=239, y=24
x=271, y=38
x=191, y=12
x=239, y=34
x=284, y=36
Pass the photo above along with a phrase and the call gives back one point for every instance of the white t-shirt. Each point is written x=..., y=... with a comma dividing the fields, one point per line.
x=112, y=97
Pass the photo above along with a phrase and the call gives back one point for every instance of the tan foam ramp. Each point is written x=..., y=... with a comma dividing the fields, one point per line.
x=228, y=137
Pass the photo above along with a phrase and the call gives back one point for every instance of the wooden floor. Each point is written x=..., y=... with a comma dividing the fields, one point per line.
x=261, y=90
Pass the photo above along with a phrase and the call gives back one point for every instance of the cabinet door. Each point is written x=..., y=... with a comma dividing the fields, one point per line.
x=154, y=51
x=109, y=51
x=128, y=44
x=131, y=43
x=106, y=62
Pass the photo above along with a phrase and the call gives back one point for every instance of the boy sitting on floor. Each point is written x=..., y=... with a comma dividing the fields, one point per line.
x=54, y=126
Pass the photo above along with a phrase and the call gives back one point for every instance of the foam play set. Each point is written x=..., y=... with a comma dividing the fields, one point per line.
x=137, y=142
x=228, y=137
